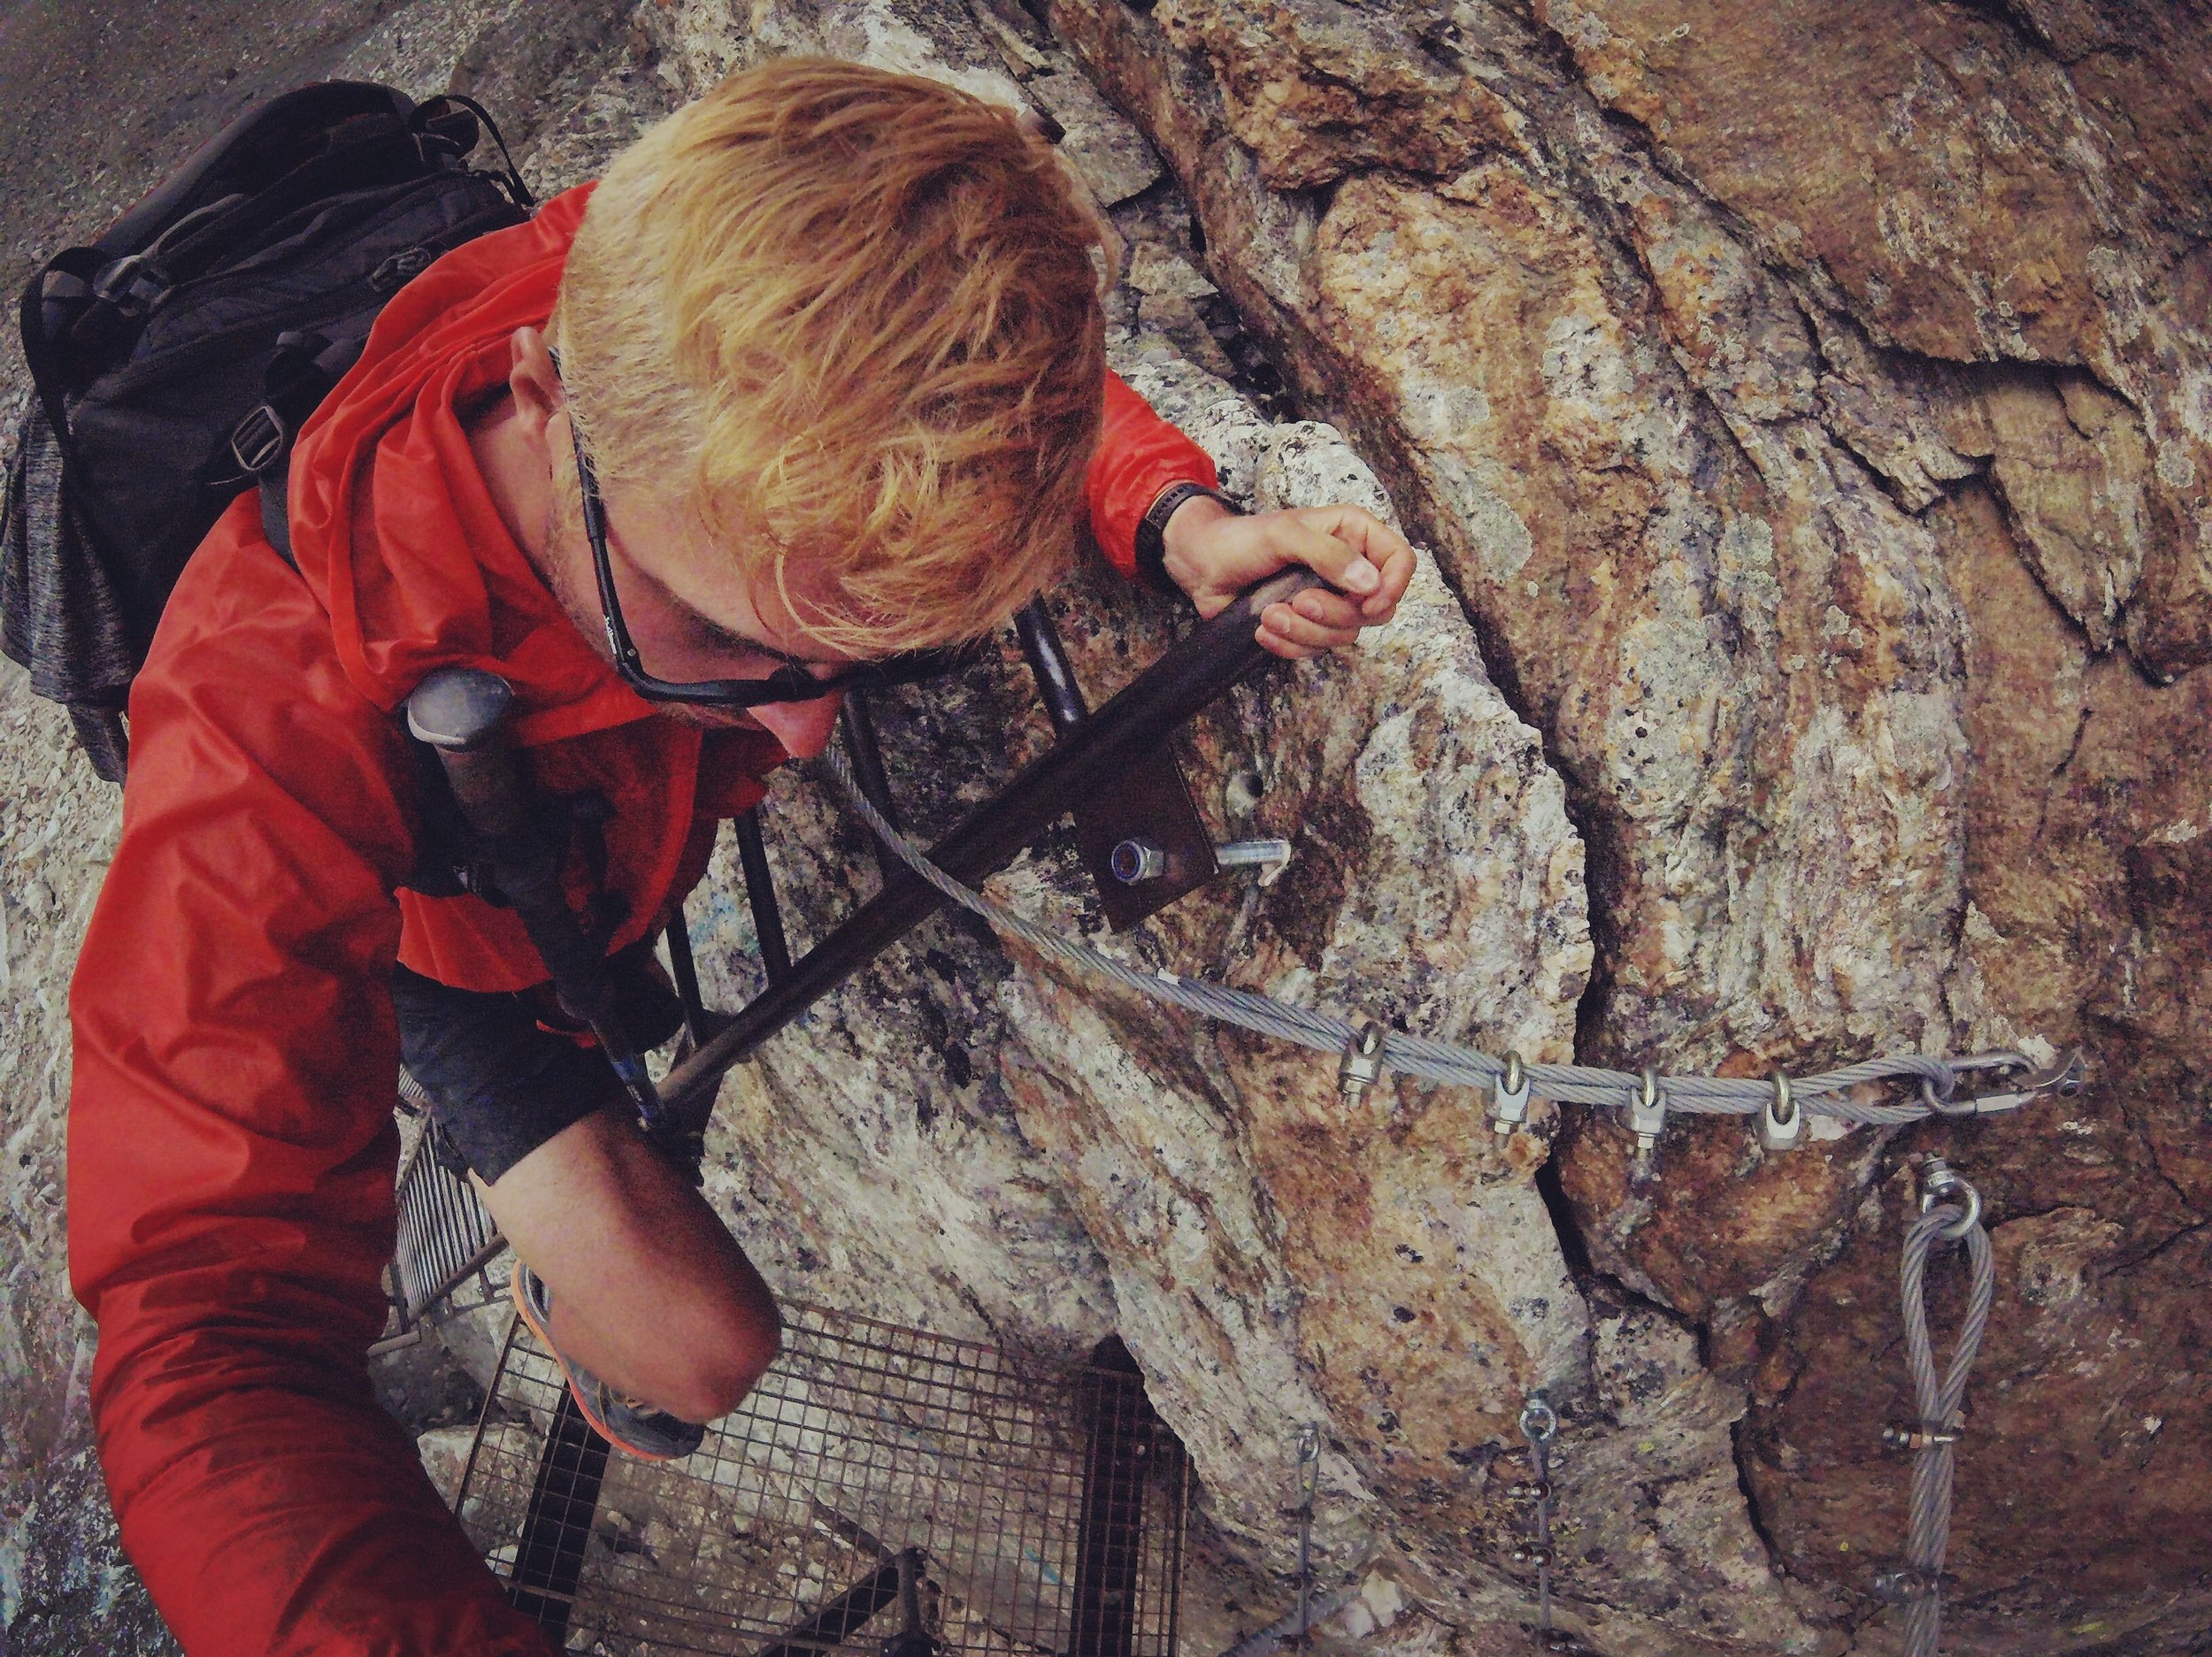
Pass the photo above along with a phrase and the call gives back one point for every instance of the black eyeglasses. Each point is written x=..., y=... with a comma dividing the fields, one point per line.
x=794, y=681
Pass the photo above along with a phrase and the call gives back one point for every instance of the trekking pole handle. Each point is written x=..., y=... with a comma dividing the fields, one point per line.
x=463, y=712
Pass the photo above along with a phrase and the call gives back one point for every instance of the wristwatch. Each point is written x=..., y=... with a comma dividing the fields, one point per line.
x=1152, y=531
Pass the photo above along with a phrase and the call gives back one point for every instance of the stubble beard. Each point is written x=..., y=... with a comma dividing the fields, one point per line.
x=579, y=599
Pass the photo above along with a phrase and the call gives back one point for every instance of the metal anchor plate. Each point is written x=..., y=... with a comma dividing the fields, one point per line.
x=1148, y=801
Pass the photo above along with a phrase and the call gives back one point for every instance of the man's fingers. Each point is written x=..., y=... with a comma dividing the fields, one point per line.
x=1288, y=633
x=1397, y=574
x=1363, y=542
x=1366, y=564
x=1338, y=561
x=1329, y=609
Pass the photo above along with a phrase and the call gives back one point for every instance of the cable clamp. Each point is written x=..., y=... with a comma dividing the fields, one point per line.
x=1922, y=1435
x=1362, y=1065
x=1646, y=1113
x=1906, y=1584
x=1781, y=1119
x=1509, y=1098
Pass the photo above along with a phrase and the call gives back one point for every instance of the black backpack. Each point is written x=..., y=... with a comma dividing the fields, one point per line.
x=175, y=357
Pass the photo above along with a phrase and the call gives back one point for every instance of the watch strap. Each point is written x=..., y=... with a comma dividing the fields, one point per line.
x=1152, y=531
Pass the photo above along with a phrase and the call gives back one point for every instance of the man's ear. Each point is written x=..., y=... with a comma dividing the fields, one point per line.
x=536, y=384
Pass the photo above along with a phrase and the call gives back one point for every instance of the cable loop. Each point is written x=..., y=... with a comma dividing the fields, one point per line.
x=1937, y=1397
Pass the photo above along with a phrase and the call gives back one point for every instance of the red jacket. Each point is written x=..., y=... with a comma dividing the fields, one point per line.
x=230, y=1144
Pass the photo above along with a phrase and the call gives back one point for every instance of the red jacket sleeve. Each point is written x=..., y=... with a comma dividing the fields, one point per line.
x=231, y=1147
x=1138, y=455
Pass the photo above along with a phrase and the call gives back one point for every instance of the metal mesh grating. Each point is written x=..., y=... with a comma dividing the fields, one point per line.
x=1047, y=1519
x=445, y=1232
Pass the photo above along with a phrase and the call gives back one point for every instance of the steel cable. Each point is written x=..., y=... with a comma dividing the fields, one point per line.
x=1425, y=1057
x=1919, y=1584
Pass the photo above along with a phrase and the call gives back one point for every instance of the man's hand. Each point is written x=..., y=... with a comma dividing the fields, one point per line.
x=1213, y=554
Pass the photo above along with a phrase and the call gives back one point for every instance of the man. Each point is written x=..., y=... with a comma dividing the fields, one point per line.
x=829, y=387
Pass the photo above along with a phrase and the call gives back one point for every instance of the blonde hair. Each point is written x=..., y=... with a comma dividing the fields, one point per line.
x=847, y=321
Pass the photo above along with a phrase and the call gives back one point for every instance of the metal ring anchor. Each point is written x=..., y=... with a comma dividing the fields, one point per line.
x=1539, y=1422
x=1938, y=1181
x=1968, y=1220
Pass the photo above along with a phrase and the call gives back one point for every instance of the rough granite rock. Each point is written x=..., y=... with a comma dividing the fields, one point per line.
x=1838, y=571
x=1965, y=187
x=1807, y=416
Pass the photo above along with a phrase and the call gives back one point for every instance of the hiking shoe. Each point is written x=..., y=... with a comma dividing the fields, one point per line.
x=630, y=1425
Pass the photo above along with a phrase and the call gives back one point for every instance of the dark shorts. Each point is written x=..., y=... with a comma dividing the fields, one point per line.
x=501, y=1077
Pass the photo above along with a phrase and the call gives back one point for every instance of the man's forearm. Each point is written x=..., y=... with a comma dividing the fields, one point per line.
x=1138, y=455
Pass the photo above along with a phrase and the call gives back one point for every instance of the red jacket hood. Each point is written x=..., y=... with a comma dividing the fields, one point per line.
x=438, y=580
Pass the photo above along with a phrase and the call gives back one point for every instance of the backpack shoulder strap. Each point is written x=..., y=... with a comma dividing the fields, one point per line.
x=300, y=376
x=276, y=514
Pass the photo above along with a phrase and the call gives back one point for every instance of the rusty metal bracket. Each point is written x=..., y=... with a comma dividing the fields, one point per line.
x=1150, y=802
x=1146, y=801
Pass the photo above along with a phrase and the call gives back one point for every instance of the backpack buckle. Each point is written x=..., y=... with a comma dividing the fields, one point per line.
x=133, y=284
x=402, y=268
x=259, y=440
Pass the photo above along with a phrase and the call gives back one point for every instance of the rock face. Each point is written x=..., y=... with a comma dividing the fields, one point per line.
x=1807, y=412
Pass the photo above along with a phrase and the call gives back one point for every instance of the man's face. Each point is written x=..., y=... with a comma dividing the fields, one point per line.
x=687, y=613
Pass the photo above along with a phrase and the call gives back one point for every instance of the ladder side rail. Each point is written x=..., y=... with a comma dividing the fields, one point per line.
x=1191, y=674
